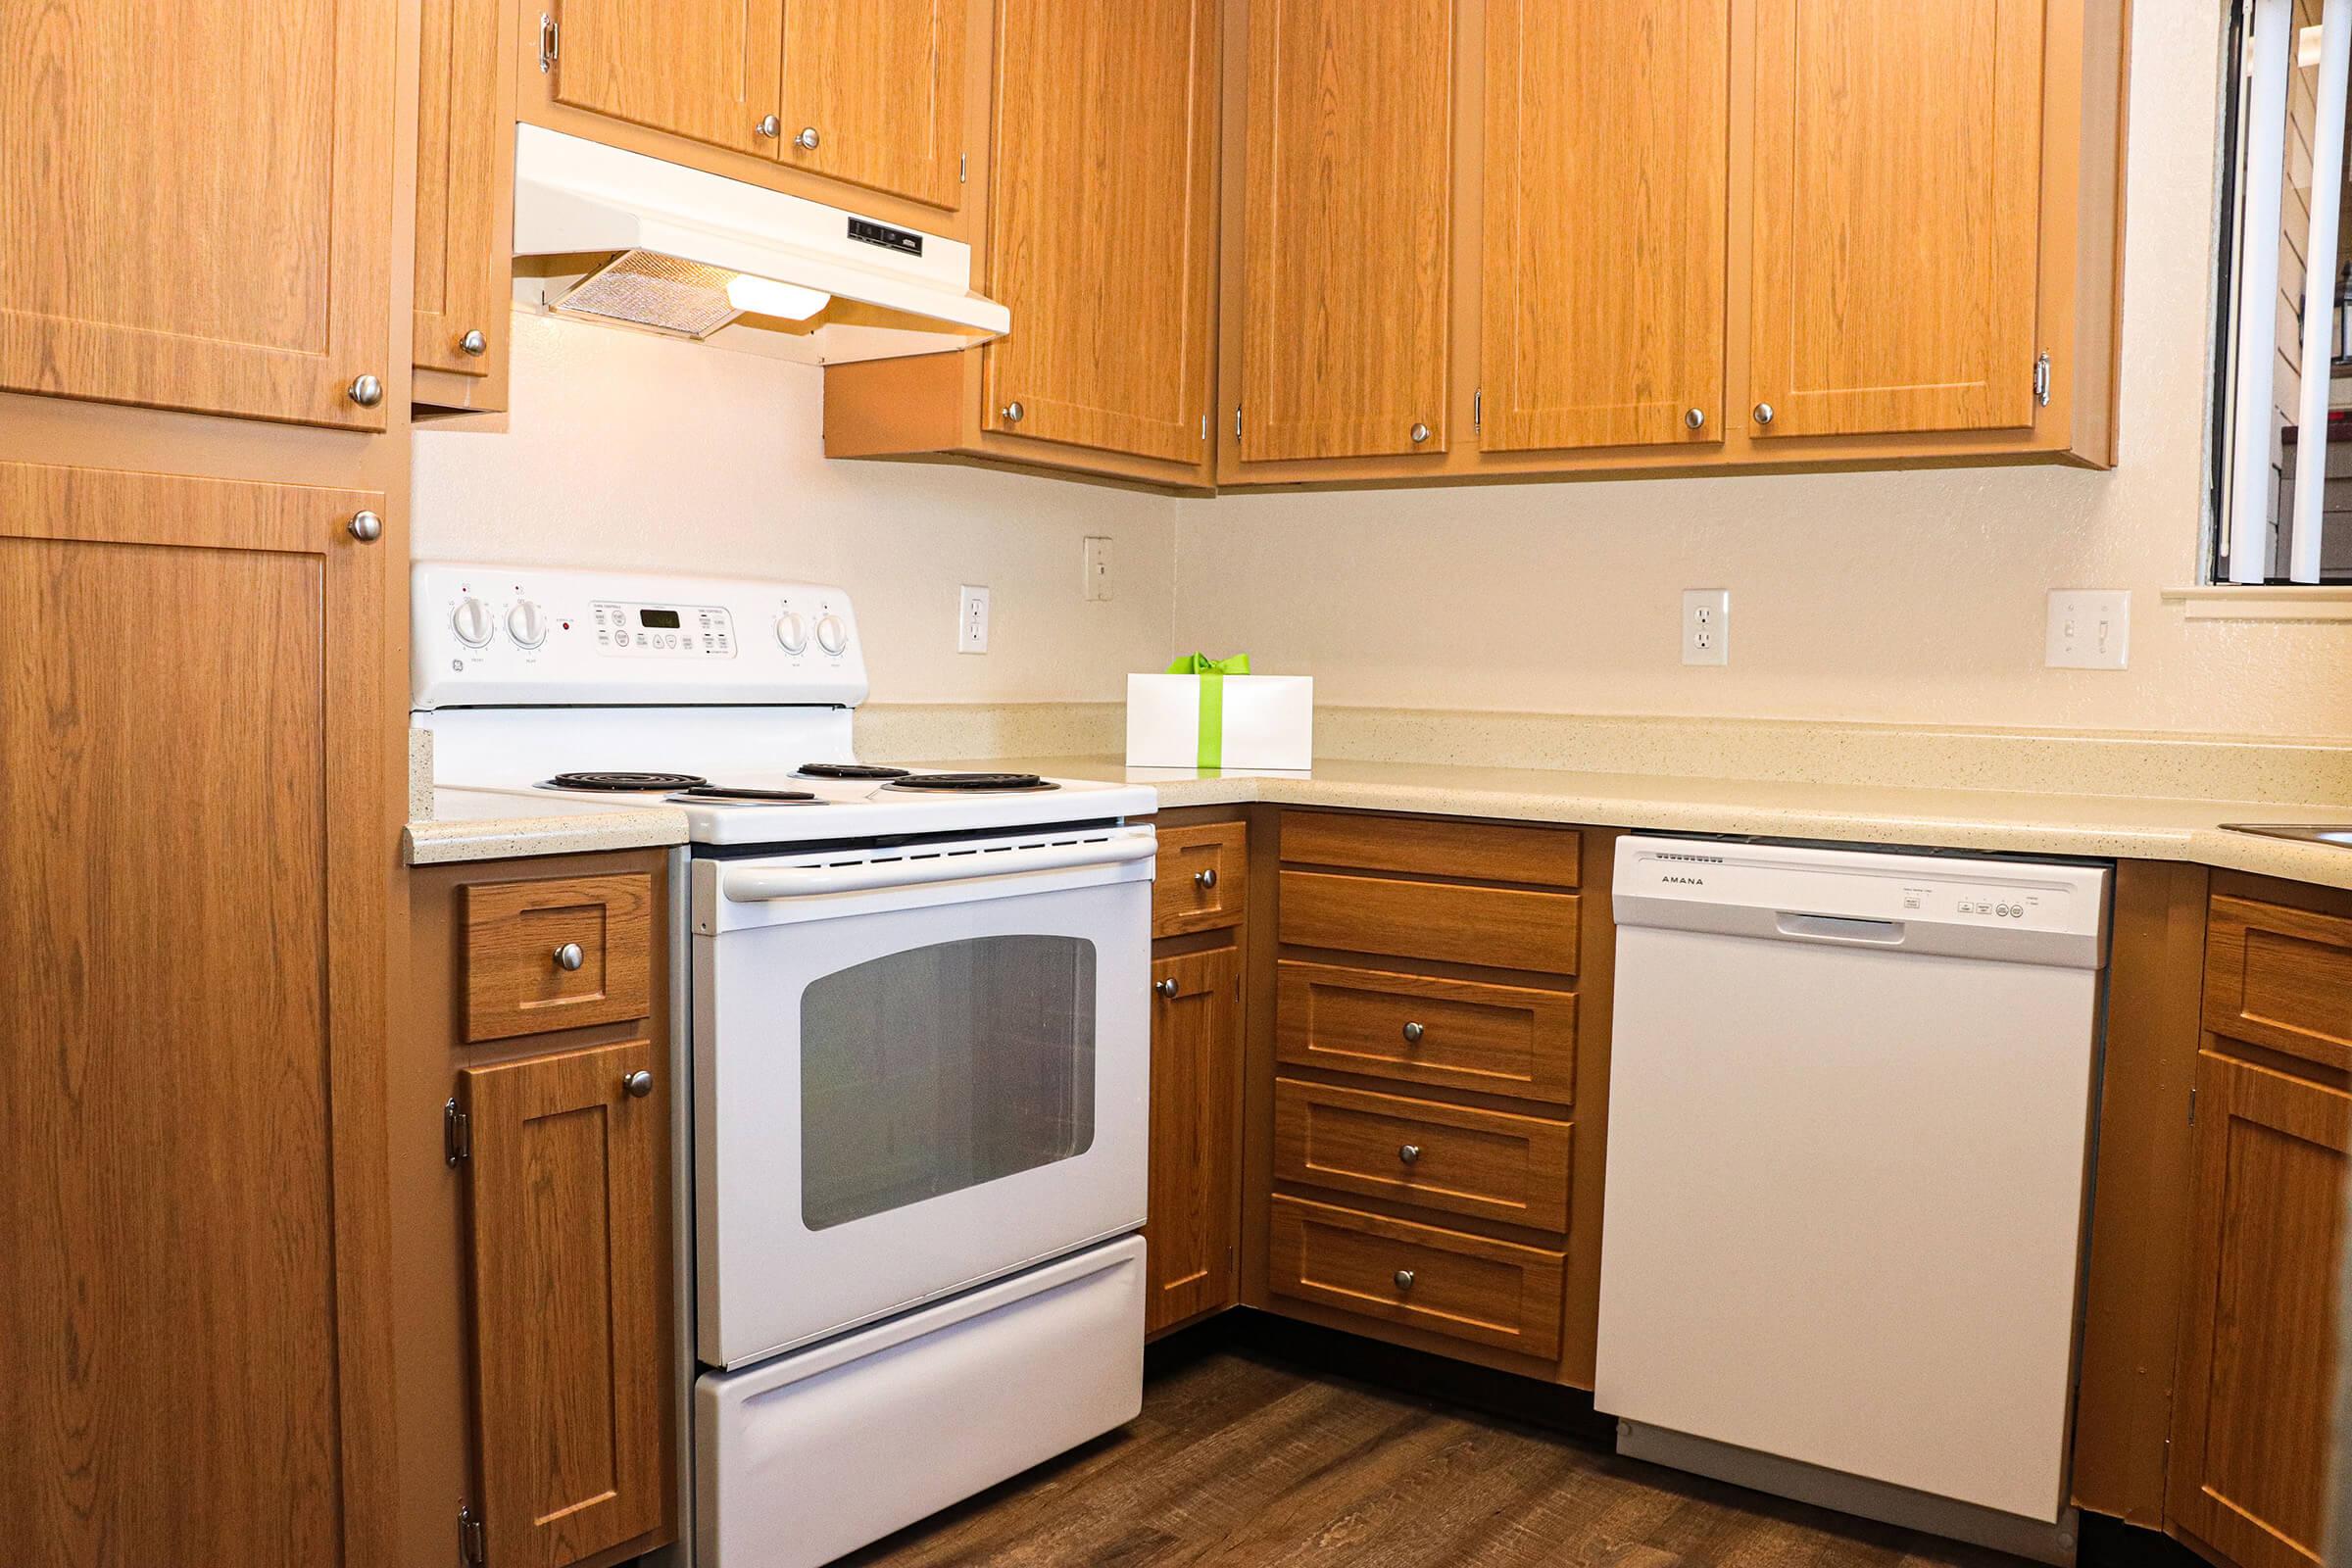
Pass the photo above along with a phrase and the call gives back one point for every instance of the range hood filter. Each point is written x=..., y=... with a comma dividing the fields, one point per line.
x=646, y=289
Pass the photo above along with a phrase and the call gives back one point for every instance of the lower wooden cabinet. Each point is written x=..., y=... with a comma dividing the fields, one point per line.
x=1192, y=1240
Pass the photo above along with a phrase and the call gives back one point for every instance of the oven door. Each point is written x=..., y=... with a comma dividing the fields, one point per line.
x=916, y=1068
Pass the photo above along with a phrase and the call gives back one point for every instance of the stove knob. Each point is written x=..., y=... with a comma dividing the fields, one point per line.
x=831, y=635
x=791, y=633
x=472, y=621
x=526, y=623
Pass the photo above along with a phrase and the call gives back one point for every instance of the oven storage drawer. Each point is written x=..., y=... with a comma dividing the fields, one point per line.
x=557, y=953
x=1203, y=878
x=1467, y=1288
x=801, y=1458
x=1490, y=1164
x=1420, y=1029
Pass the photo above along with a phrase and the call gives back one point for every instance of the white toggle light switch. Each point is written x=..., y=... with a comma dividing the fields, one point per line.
x=2090, y=629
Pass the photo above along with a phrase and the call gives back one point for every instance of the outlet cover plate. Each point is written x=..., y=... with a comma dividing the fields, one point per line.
x=971, y=619
x=1706, y=626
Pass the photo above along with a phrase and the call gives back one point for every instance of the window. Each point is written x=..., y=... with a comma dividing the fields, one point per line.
x=2282, y=470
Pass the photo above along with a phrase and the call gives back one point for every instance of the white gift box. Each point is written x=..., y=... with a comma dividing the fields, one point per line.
x=1268, y=721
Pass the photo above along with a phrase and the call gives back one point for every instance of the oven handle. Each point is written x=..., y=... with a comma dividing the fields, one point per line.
x=748, y=885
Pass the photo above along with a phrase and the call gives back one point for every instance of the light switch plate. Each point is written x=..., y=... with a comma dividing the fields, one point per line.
x=971, y=619
x=1097, y=566
x=1706, y=626
x=2089, y=628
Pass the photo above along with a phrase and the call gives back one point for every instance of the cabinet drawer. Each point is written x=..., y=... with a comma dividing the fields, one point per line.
x=1501, y=928
x=1489, y=852
x=521, y=976
x=2279, y=977
x=1452, y=1034
x=1203, y=878
x=1491, y=1164
x=1443, y=1282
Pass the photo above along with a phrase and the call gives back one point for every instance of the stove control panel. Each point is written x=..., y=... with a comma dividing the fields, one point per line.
x=484, y=635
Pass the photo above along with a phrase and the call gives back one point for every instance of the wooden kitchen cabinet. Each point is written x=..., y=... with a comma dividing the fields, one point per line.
x=464, y=205
x=195, y=1288
x=1191, y=1238
x=706, y=70
x=238, y=260
x=1607, y=167
x=873, y=94
x=1101, y=218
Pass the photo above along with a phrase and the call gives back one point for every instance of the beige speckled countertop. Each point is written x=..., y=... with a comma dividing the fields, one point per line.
x=467, y=825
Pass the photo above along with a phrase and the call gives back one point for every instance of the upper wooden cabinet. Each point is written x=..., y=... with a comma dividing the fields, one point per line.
x=707, y=70
x=464, y=205
x=1606, y=165
x=873, y=94
x=1345, y=287
x=235, y=260
x=1897, y=227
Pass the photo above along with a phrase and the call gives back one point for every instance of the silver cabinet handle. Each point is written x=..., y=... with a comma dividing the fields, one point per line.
x=475, y=343
x=1413, y=1033
x=1205, y=879
x=1763, y=414
x=1404, y=1279
x=367, y=391
x=1014, y=412
x=1420, y=432
x=807, y=140
x=364, y=526
x=1411, y=1153
x=569, y=956
x=769, y=126
x=639, y=1084
x=1696, y=418
x=1166, y=988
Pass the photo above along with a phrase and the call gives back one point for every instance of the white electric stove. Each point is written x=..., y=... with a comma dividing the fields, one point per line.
x=916, y=1056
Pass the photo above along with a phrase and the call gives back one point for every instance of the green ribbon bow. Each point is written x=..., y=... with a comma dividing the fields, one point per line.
x=1212, y=674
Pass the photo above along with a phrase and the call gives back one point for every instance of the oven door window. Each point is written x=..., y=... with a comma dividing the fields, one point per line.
x=941, y=1067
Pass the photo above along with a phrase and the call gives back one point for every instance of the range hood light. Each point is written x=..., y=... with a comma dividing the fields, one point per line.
x=764, y=296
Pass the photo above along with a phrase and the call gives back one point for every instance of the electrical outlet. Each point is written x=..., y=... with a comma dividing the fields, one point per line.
x=1097, y=566
x=971, y=619
x=1706, y=626
x=2090, y=629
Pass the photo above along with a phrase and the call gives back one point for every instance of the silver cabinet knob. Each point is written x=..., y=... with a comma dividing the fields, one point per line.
x=474, y=343
x=1205, y=879
x=769, y=126
x=807, y=140
x=1404, y=1279
x=364, y=526
x=1763, y=414
x=367, y=391
x=1166, y=988
x=1014, y=412
x=1420, y=432
x=1412, y=1033
x=1409, y=1153
x=1696, y=418
x=639, y=1084
x=569, y=956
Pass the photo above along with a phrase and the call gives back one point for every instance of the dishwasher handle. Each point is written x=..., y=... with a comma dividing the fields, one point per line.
x=1839, y=928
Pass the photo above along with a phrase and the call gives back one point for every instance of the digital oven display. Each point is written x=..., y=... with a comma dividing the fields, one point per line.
x=658, y=619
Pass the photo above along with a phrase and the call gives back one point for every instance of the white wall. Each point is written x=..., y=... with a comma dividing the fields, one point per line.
x=629, y=449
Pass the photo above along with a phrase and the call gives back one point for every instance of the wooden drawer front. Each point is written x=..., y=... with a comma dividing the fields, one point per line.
x=514, y=981
x=1464, y=1287
x=1549, y=856
x=1501, y=928
x=1203, y=878
x=1491, y=1164
x=2279, y=977
x=1499, y=1040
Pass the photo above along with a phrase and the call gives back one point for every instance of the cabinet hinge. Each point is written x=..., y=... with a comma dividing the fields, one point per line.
x=2042, y=380
x=1236, y=422
x=1478, y=408
x=457, y=1133
x=470, y=1549
x=2192, y=1108
x=551, y=41
x=1205, y=427
x=963, y=168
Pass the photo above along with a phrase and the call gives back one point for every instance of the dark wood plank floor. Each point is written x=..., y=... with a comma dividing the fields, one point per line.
x=1243, y=1460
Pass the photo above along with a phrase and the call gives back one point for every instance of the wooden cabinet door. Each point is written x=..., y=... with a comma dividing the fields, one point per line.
x=704, y=69
x=1194, y=1233
x=1100, y=222
x=465, y=179
x=569, y=1196
x=1347, y=228
x=198, y=205
x=2248, y=1473
x=194, y=1288
x=1897, y=176
x=877, y=85
x=1605, y=171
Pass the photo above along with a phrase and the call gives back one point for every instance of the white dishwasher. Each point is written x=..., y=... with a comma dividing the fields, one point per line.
x=1850, y=1118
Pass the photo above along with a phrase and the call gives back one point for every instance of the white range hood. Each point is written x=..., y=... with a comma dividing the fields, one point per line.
x=607, y=235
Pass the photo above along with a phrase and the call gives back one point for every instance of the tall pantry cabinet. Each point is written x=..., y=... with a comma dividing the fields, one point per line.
x=204, y=346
